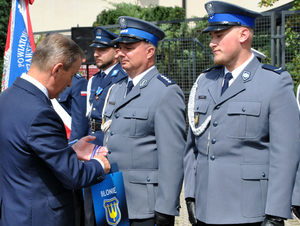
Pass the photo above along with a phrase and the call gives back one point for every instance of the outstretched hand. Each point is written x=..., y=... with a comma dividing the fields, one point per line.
x=83, y=148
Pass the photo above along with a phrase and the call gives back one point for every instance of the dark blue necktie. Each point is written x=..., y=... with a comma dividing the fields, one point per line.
x=228, y=76
x=101, y=76
x=129, y=87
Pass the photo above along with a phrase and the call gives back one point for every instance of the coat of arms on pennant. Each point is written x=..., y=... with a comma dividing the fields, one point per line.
x=112, y=211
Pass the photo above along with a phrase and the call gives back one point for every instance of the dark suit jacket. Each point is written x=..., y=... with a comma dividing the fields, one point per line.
x=38, y=170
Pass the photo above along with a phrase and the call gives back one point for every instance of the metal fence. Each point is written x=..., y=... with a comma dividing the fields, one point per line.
x=185, y=52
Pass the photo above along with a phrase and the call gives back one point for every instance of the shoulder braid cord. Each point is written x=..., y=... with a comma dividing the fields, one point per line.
x=191, y=111
x=106, y=125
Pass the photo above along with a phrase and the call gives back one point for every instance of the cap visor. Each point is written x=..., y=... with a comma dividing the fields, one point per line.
x=99, y=45
x=215, y=28
x=125, y=39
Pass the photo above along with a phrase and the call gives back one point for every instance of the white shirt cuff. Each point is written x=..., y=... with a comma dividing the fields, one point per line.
x=102, y=164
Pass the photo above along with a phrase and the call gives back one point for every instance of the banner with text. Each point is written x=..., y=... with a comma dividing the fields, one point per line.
x=19, y=43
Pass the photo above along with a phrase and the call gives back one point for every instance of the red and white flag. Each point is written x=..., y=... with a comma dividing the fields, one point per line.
x=20, y=47
x=19, y=43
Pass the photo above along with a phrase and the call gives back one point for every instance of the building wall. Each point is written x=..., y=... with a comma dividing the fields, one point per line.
x=64, y=14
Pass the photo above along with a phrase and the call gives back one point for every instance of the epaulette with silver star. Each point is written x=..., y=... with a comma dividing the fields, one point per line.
x=212, y=68
x=166, y=80
x=269, y=67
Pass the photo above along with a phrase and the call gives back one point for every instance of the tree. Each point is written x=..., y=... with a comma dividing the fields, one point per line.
x=268, y=3
x=149, y=13
x=4, y=18
x=292, y=35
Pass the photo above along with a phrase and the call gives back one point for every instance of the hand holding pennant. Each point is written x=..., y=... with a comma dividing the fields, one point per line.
x=109, y=200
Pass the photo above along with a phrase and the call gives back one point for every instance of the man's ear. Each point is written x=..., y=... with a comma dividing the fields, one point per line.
x=150, y=51
x=56, y=68
x=244, y=34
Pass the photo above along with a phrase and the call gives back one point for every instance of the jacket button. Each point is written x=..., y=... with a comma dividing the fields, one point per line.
x=218, y=107
x=212, y=158
x=112, y=133
x=213, y=141
x=94, y=109
x=263, y=174
x=243, y=109
x=148, y=179
x=116, y=115
x=215, y=124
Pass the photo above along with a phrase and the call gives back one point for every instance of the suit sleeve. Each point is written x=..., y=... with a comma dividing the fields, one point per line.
x=284, y=147
x=47, y=138
x=170, y=137
x=80, y=125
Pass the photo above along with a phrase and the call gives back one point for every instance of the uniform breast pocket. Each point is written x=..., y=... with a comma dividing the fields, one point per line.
x=137, y=118
x=243, y=119
x=201, y=107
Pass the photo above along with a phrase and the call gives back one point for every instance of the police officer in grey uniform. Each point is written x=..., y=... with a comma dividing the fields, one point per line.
x=145, y=128
x=244, y=127
x=111, y=72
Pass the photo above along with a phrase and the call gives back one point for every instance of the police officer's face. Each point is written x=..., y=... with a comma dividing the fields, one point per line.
x=105, y=57
x=134, y=57
x=225, y=45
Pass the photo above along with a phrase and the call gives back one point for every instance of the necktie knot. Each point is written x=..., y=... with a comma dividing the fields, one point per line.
x=100, y=77
x=102, y=74
x=228, y=76
x=129, y=87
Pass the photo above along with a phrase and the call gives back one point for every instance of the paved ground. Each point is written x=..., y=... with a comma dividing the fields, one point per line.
x=183, y=219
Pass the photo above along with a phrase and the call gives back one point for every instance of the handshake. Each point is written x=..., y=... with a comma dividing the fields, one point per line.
x=86, y=151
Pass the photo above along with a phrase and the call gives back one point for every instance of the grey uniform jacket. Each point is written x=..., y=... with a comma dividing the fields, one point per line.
x=147, y=139
x=248, y=155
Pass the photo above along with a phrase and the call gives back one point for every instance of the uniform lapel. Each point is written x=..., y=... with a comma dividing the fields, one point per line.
x=215, y=88
x=106, y=81
x=239, y=83
x=137, y=88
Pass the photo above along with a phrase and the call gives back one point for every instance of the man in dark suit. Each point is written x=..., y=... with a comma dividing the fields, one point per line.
x=244, y=129
x=111, y=72
x=38, y=169
x=144, y=124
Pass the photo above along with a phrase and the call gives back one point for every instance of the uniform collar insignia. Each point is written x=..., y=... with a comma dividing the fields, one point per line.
x=143, y=83
x=246, y=75
x=115, y=72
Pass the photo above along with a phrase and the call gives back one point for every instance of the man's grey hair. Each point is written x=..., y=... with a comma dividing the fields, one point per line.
x=56, y=48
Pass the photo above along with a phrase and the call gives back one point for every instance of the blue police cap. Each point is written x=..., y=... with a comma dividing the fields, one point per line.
x=223, y=15
x=103, y=38
x=136, y=30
